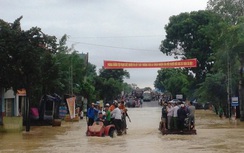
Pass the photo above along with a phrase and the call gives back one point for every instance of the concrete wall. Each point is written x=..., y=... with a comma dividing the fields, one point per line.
x=12, y=124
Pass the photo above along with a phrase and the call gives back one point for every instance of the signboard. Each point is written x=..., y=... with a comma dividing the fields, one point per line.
x=21, y=92
x=168, y=64
x=71, y=106
x=179, y=96
x=234, y=101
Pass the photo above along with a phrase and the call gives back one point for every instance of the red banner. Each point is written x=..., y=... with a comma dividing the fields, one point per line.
x=168, y=64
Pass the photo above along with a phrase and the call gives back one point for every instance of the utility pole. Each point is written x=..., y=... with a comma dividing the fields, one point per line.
x=229, y=87
x=71, y=77
x=71, y=69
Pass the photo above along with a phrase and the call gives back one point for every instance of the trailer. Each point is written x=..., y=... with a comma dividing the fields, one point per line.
x=188, y=129
x=183, y=132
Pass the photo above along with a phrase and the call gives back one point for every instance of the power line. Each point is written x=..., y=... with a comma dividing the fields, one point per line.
x=110, y=46
x=118, y=36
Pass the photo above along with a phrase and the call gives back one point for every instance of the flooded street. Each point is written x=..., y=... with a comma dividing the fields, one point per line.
x=213, y=135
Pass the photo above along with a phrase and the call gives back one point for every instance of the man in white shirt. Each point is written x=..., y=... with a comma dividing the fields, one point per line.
x=175, y=116
x=117, y=115
x=169, y=116
x=191, y=109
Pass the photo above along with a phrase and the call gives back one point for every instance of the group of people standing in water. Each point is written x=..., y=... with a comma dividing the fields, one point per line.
x=174, y=116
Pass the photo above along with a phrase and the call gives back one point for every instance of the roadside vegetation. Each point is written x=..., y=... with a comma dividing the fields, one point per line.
x=41, y=64
x=215, y=37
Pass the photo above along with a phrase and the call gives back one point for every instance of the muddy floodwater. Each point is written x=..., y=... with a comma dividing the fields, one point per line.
x=214, y=135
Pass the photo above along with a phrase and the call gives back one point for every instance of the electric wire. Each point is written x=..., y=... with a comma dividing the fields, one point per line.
x=108, y=46
x=136, y=36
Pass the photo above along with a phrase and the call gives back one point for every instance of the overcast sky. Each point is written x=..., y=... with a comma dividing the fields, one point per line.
x=124, y=30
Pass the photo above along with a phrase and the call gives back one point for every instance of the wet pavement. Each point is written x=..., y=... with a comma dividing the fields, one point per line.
x=214, y=135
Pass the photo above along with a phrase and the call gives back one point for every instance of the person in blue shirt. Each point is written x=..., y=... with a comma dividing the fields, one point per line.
x=91, y=114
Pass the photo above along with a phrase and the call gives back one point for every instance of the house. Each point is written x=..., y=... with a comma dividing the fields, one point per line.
x=12, y=105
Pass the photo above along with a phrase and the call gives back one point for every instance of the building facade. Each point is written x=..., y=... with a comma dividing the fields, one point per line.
x=12, y=104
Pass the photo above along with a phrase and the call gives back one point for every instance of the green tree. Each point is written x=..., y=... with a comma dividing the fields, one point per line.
x=173, y=81
x=111, y=89
x=227, y=63
x=24, y=53
x=117, y=74
x=236, y=47
x=72, y=71
x=88, y=88
x=190, y=35
x=214, y=90
x=233, y=39
x=34, y=61
x=110, y=83
x=230, y=10
x=7, y=37
x=127, y=88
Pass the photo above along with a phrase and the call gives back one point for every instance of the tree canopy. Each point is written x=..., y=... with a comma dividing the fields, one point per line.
x=173, y=81
x=229, y=10
x=191, y=35
x=216, y=38
x=110, y=83
x=25, y=54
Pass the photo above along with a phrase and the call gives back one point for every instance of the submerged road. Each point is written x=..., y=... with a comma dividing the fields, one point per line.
x=214, y=135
